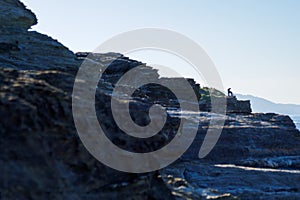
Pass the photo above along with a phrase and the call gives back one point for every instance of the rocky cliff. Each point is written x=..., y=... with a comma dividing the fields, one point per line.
x=14, y=15
x=43, y=158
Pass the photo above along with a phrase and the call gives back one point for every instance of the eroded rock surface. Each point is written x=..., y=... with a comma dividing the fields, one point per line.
x=43, y=158
x=14, y=15
x=197, y=180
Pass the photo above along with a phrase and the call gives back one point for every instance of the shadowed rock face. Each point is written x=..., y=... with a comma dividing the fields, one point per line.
x=43, y=158
x=237, y=106
x=41, y=154
x=257, y=156
x=14, y=15
x=249, y=136
x=23, y=49
x=197, y=180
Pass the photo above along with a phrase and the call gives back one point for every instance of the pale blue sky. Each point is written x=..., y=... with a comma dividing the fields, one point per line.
x=254, y=44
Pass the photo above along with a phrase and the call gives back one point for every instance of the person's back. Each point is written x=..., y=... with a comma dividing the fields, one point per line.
x=229, y=92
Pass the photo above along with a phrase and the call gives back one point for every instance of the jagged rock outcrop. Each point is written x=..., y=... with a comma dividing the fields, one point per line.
x=254, y=136
x=23, y=49
x=257, y=156
x=41, y=154
x=14, y=15
x=43, y=158
x=238, y=106
x=198, y=180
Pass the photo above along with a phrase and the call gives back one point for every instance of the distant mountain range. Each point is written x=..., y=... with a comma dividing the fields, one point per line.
x=259, y=104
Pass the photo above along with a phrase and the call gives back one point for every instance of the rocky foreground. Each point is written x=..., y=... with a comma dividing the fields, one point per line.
x=42, y=157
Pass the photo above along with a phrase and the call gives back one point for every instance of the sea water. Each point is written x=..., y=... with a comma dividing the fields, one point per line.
x=296, y=119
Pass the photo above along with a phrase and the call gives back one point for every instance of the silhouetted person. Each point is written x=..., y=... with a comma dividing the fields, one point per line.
x=229, y=92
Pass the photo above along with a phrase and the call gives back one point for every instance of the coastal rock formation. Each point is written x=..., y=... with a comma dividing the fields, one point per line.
x=14, y=15
x=257, y=155
x=249, y=136
x=198, y=180
x=23, y=49
x=238, y=106
x=42, y=156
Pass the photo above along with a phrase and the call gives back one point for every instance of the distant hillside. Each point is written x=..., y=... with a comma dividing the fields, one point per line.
x=262, y=105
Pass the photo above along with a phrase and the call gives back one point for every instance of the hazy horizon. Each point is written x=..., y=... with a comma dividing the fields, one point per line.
x=255, y=45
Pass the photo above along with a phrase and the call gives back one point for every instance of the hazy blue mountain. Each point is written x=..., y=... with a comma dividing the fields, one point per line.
x=259, y=104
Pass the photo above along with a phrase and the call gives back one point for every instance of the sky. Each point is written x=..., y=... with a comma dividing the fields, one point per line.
x=254, y=44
